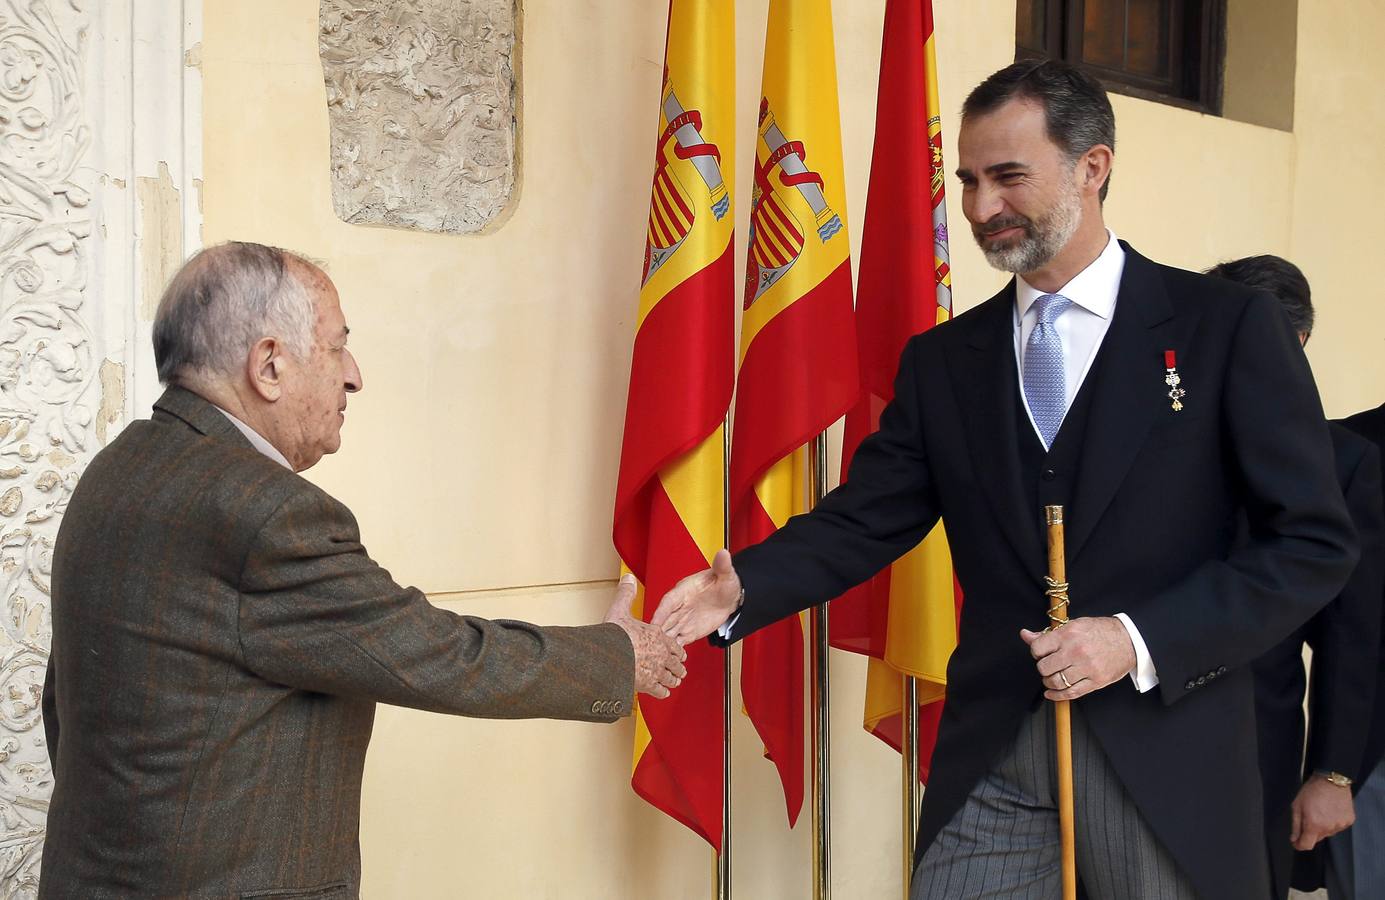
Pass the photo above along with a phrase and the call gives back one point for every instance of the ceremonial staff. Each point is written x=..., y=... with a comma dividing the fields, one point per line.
x=1056, y=590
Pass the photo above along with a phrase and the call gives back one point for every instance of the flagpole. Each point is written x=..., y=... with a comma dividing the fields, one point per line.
x=909, y=755
x=724, y=858
x=821, y=710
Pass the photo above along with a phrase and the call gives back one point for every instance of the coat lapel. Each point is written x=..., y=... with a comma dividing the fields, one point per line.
x=988, y=391
x=1128, y=393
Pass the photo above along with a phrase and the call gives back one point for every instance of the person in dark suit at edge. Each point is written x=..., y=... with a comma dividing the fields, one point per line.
x=1308, y=790
x=1057, y=391
x=1357, y=861
x=221, y=638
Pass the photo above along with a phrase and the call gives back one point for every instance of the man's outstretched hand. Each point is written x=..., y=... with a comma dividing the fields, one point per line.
x=658, y=657
x=700, y=603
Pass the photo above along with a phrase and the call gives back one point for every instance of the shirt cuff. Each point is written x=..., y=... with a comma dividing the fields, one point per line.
x=724, y=632
x=1143, y=675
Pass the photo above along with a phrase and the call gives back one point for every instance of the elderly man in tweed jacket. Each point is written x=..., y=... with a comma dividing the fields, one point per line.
x=221, y=638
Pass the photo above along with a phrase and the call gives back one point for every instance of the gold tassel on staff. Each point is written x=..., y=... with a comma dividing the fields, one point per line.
x=821, y=709
x=1057, y=594
x=909, y=754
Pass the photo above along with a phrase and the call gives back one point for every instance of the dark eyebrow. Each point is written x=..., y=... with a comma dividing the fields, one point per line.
x=997, y=169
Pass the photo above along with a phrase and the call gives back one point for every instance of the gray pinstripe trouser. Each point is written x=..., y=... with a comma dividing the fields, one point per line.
x=1004, y=843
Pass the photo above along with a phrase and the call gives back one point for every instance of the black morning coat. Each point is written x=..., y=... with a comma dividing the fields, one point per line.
x=1150, y=526
x=1371, y=425
x=1345, y=637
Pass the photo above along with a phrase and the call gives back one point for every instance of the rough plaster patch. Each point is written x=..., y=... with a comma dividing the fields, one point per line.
x=160, y=236
x=112, y=397
x=422, y=100
x=193, y=58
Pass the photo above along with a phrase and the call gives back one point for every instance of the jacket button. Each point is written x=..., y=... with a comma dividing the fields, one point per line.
x=1221, y=670
x=596, y=708
x=1189, y=686
x=1201, y=680
x=617, y=708
x=1049, y=475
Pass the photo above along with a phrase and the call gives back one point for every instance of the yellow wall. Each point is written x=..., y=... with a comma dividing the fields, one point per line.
x=1339, y=117
x=481, y=458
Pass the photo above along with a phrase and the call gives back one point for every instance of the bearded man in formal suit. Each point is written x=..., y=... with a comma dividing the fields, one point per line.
x=1061, y=389
x=221, y=638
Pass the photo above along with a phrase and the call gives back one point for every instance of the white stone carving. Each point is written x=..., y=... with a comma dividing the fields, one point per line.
x=48, y=379
x=422, y=100
x=72, y=268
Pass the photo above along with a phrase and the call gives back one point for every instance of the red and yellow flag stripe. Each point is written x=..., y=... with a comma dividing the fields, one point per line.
x=670, y=508
x=798, y=351
x=906, y=617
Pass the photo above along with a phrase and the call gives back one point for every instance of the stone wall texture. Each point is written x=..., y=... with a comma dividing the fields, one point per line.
x=422, y=98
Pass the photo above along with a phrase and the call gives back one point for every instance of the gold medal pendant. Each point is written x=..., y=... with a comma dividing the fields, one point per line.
x=1172, y=379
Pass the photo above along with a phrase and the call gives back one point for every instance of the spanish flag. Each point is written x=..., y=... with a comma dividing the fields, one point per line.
x=670, y=507
x=798, y=350
x=906, y=617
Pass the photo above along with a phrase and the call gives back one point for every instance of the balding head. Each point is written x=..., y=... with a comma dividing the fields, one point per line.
x=225, y=299
x=260, y=333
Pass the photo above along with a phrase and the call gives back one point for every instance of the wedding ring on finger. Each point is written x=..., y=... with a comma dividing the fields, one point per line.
x=1064, y=678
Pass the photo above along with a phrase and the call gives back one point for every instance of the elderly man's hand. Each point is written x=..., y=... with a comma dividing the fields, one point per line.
x=1084, y=655
x=658, y=657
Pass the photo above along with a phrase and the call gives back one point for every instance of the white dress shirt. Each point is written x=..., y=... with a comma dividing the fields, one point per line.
x=1082, y=327
x=257, y=440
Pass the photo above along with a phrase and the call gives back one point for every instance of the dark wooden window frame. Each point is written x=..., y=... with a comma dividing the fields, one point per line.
x=1196, y=82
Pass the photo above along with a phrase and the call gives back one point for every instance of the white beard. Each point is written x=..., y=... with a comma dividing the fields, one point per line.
x=1042, y=240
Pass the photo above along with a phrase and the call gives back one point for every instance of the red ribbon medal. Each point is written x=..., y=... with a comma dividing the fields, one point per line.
x=1172, y=379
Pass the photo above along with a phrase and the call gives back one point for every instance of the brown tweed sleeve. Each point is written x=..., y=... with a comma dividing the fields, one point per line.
x=317, y=613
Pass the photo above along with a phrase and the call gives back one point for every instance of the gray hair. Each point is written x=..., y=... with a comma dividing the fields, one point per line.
x=225, y=299
x=1077, y=111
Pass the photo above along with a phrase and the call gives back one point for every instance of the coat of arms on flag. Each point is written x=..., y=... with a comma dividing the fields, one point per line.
x=672, y=211
x=776, y=232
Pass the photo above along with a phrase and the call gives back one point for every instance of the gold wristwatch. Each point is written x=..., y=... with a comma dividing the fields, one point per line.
x=1336, y=778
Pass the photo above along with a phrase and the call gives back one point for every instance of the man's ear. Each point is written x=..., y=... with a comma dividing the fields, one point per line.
x=1095, y=167
x=264, y=368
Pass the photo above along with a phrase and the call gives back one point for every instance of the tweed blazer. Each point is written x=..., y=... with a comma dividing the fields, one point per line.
x=220, y=640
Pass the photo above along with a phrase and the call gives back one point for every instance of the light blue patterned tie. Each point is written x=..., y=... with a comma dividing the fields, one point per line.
x=1045, y=389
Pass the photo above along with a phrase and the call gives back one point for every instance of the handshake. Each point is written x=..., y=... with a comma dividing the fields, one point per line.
x=694, y=608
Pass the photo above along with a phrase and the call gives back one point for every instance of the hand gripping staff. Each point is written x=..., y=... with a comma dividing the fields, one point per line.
x=1056, y=592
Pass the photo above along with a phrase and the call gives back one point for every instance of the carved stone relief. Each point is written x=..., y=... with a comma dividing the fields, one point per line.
x=421, y=95
x=49, y=380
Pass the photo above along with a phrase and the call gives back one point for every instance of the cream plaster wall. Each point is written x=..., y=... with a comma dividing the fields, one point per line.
x=481, y=457
x=1339, y=116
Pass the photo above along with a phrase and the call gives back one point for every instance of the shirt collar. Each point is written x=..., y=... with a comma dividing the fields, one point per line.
x=257, y=440
x=1094, y=288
